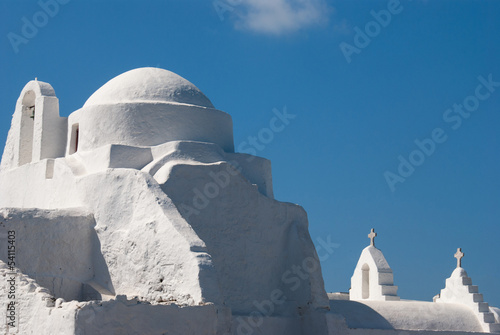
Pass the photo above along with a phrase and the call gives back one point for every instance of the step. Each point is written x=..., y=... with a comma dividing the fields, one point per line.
x=473, y=289
x=385, y=278
x=483, y=307
x=466, y=281
x=492, y=327
x=477, y=297
x=389, y=290
x=391, y=298
x=487, y=317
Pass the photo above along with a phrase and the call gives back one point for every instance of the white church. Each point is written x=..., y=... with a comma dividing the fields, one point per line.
x=134, y=215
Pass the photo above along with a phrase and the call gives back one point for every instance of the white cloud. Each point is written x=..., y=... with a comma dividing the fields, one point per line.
x=280, y=16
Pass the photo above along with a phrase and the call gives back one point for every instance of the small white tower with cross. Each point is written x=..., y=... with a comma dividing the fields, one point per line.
x=372, y=278
x=459, y=290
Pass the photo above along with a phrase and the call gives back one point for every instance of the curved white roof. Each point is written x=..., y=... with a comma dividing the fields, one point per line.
x=407, y=315
x=148, y=84
x=39, y=88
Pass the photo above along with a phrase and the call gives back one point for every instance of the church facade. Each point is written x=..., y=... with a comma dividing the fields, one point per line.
x=134, y=215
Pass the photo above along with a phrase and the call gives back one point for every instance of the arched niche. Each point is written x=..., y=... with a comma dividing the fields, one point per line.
x=28, y=114
x=37, y=131
x=365, y=281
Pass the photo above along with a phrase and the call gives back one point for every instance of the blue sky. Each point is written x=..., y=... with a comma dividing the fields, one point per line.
x=357, y=113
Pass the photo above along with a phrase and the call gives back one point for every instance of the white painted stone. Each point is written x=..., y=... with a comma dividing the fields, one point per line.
x=148, y=107
x=496, y=312
x=406, y=315
x=372, y=278
x=134, y=216
x=459, y=290
x=53, y=247
x=149, y=84
x=135, y=156
x=37, y=132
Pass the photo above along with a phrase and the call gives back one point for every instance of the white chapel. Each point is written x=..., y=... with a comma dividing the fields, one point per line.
x=134, y=215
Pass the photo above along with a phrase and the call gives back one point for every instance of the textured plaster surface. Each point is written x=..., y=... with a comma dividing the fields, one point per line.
x=155, y=226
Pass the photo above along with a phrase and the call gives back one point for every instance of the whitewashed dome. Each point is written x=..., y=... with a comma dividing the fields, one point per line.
x=147, y=107
x=149, y=84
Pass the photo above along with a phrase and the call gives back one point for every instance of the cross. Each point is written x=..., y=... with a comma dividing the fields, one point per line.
x=372, y=236
x=459, y=255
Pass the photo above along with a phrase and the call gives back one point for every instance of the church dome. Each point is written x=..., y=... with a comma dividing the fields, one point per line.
x=149, y=84
x=147, y=107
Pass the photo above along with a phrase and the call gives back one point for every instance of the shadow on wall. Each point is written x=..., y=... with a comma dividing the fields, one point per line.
x=100, y=285
x=254, y=240
x=60, y=250
x=358, y=315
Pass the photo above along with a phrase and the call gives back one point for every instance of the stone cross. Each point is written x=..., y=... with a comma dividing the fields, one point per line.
x=372, y=236
x=459, y=255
